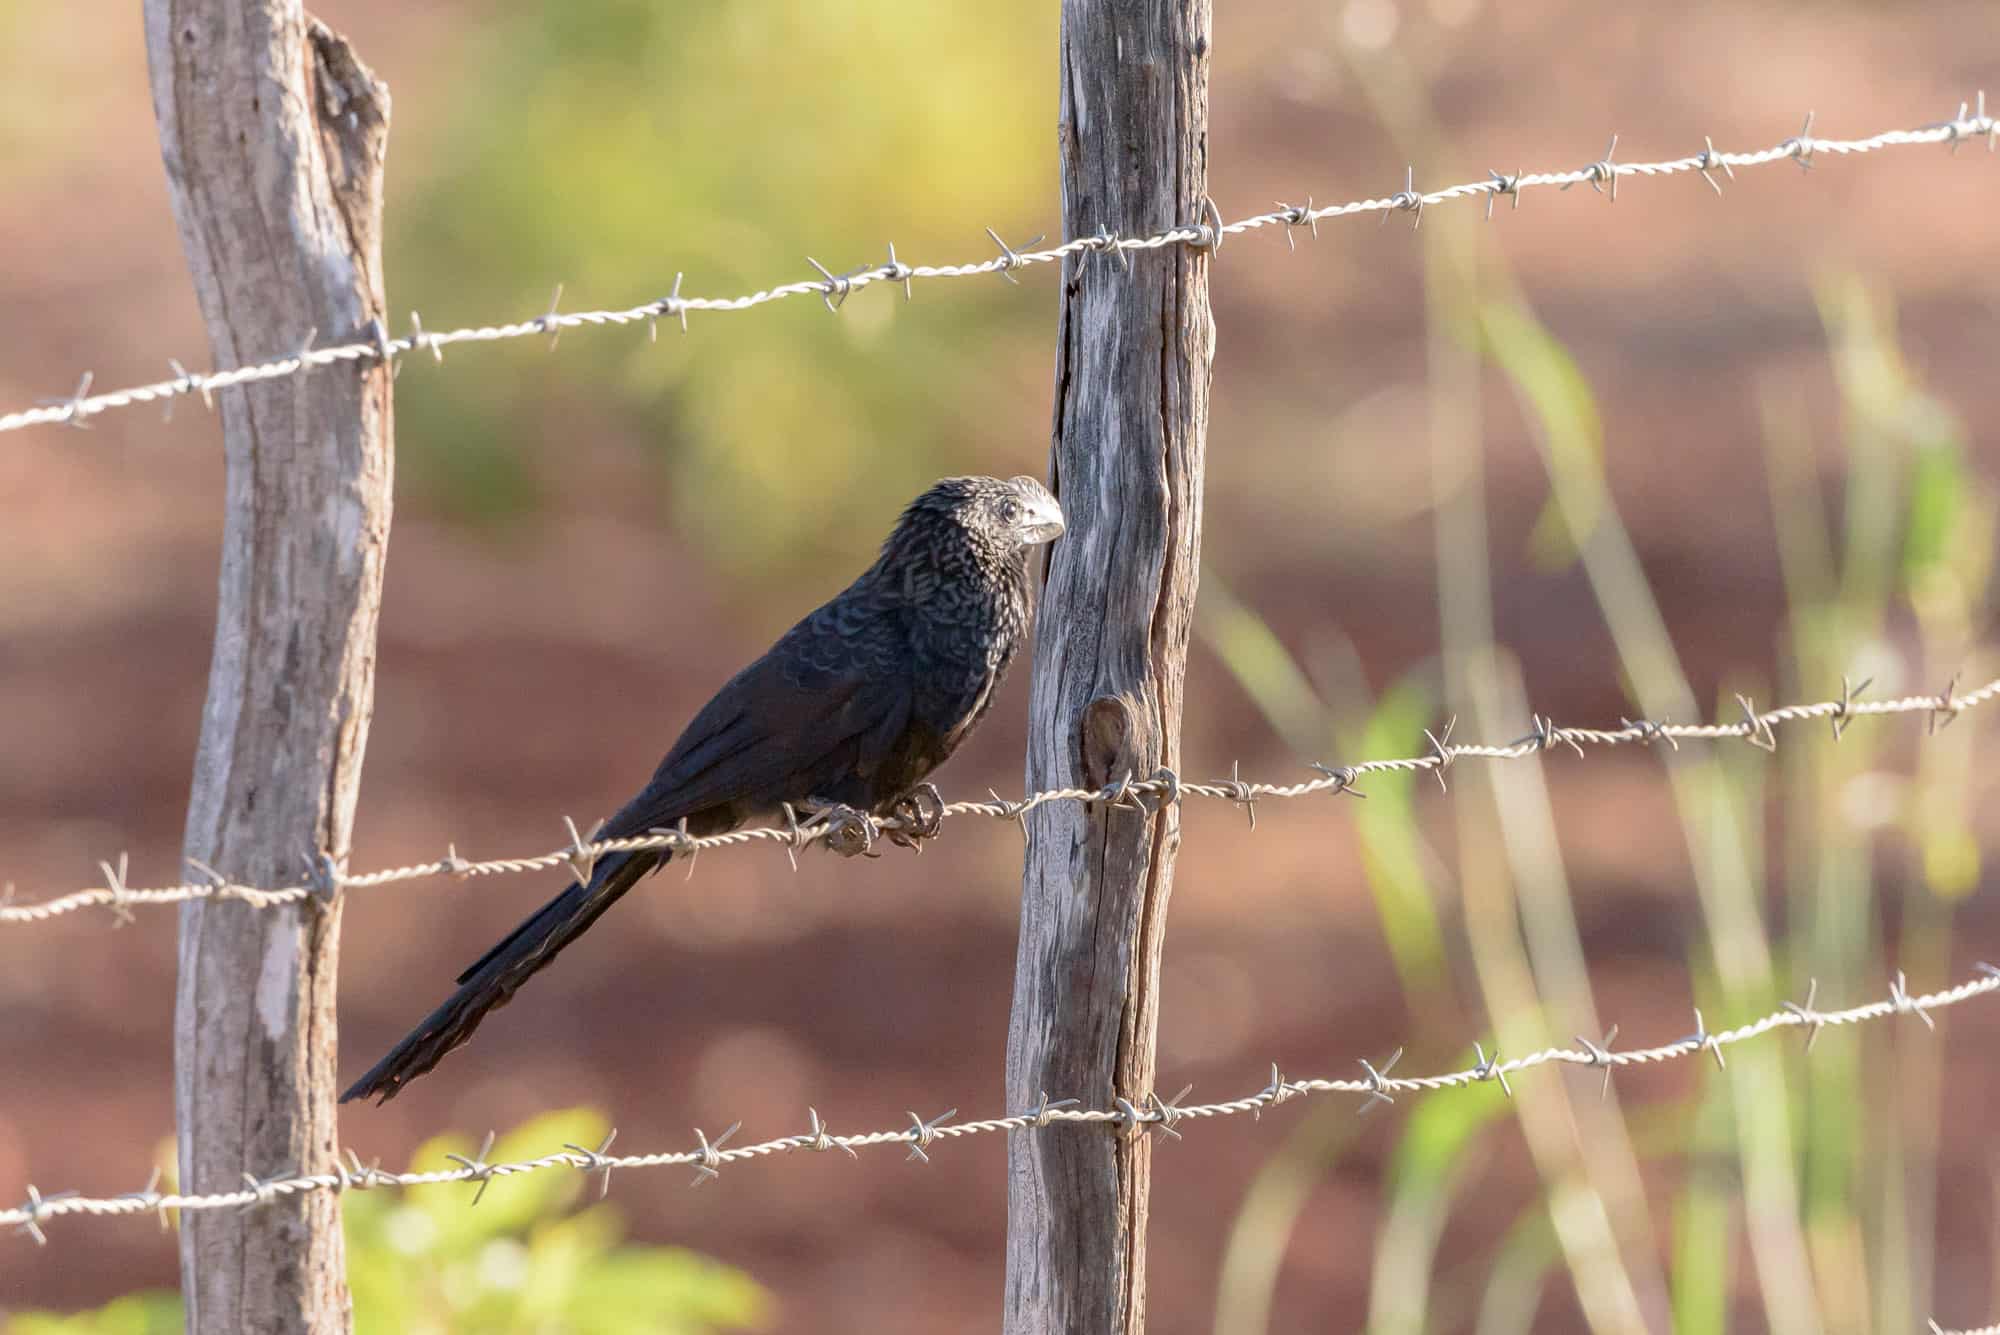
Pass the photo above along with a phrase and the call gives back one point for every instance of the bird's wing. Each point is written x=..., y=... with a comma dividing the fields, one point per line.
x=824, y=704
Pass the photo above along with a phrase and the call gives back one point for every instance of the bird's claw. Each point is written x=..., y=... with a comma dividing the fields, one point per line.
x=921, y=811
x=846, y=831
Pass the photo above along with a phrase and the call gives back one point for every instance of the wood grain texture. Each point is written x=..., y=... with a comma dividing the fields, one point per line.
x=1131, y=412
x=273, y=135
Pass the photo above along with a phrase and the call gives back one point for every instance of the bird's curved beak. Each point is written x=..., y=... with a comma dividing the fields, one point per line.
x=1041, y=518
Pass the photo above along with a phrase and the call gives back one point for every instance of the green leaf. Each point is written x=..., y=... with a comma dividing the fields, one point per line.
x=1392, y=843
x=1554, y=388
x=1429, y=1157
x=1704, y=1222
x=1938, y=483
x=1261, y=664
x=1439, y=1131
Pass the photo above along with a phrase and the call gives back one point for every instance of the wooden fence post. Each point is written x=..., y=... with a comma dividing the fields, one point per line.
x=1131, y=411
x=273, y=134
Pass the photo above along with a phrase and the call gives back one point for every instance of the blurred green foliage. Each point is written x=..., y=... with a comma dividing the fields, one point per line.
x=614, y=145
x=1795, y=1161
x=525, y=1261
x=1545, y=373
x=154, y=1312
x=1391, y=848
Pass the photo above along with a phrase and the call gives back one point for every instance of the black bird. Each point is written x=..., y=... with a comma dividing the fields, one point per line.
x=852, y=707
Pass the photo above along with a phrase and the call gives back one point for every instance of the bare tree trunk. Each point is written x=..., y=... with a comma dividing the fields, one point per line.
x=273, y=134
x=1131, y=416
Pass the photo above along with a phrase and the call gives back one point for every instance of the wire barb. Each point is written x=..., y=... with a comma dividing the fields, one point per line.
x=582, y=855
x=710, y=1155
x=1949, y=706
x=551, y=322
x=1601, y=1055
x=1009, y=260
x=1243, y=794
x=476, y=1168
x=354, y=1174
x=454, y=866
x=148, y=1197
x=594, y=1162
x=1210, y=227
x=1810, y=1018
x=1104, y=241
x=1441, y=751
x=898, y=272
x=1604, y=169
x=1757, y=729
x=120, y=896
x=1342, y=778
x=1407, y=200
x=1489, y=1068
x=1646, y=730
x=1166, y=1112
x=1167, y=785
x=1045, y=1110
x=1709, y=161
x=675, y=305
x=418, y=338
x=1905, y=1004
x=1295, y=216
x=212, y=877
x=819, y=1141
x=1548, y=736
x=34, y=1208
x=72, y=410
x=264, y=1191
x=1378, y=1084
x=1703, y=1041
x=834, y=291
x=922, y=1133
x=1845, y=714
x=1800, y=147
x=184, y=382
x=1274, y=1093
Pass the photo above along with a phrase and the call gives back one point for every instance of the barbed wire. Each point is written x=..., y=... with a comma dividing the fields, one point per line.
x=375, y=345
x=850, y=832
x=1149, y=1113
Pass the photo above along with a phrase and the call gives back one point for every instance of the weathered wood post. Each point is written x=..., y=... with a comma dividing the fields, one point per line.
x=1135, y=345
x=273, y=134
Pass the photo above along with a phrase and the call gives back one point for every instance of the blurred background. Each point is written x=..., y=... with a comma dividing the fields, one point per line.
x=1590, y=459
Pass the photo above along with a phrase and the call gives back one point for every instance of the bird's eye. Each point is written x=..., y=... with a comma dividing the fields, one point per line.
x=1010, y=511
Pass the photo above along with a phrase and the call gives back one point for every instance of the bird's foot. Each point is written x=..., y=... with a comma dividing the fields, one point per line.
x=921, y=811
x=846, y=831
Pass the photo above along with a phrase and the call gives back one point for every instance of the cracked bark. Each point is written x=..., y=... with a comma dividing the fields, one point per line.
x=1131, y=411
x=273, y=135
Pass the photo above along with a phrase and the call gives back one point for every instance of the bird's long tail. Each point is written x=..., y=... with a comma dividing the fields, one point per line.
x=499, y=973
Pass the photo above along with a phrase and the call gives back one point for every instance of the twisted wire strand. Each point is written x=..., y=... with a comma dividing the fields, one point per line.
x=1151, y=1112
x=375, y=345
x=835, y=829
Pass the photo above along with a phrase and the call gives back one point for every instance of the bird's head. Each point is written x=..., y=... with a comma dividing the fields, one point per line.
x=1007, y=516
x=965, y=525
x=1023, y=508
